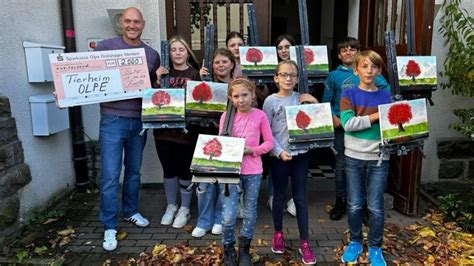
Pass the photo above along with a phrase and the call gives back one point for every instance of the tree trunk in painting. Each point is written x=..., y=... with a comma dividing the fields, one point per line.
x=398, y=114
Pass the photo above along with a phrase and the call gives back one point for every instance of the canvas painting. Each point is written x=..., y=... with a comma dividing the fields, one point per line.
x=416, y=70
x=258, y=60
x=161, y=105
x=315, y=57
x=403, y=121
x=204, y=97
x=309, y=122
x=217, y=156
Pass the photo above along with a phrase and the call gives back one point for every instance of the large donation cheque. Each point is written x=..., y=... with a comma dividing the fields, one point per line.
x=102, y=76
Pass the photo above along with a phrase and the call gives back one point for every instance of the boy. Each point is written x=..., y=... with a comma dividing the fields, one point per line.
x=337, y=81
x=366, y=180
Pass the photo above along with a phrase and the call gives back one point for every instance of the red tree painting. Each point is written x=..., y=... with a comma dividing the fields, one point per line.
x=213, y=148
x=160, y=98
x=302, y=120
x=399, y=114
x=202, y=92
x=308, y=56
x=413, y=69
x=254, y=55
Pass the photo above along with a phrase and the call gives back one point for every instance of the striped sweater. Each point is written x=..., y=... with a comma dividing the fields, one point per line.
x=362, y=138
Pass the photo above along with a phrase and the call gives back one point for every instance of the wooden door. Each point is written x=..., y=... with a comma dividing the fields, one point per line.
x=375, y=17
x=188, y=18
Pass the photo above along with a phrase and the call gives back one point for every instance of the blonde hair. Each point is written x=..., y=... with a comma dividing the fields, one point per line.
x=191, y=60
x=373, y=56
x=241, y=81
x=285, y=62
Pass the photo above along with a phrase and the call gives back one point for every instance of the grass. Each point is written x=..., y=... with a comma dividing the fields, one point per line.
x=409, y=130
x=319, y=67
x=316, y=130
x=259, y=67
x=163, y=110
x=424, y=81
x=215, y=163
x=206, y=106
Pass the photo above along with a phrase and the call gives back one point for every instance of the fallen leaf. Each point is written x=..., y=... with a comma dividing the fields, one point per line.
x=51, y=220
x=66, y=232
x=121, y=235
x=66, y=240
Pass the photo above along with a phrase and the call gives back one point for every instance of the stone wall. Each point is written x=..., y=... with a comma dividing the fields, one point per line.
x=14, y=173
x=456, y=158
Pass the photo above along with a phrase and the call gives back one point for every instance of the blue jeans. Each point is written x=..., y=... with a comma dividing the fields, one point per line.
x=340, y=173
x=366, y=182
x=209, y=205
x=297, y=168
x=119, y=136
x=250, y=185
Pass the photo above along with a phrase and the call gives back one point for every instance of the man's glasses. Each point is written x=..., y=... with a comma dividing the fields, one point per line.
x=284, y=75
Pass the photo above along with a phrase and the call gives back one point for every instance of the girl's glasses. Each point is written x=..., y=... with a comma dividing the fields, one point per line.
x=284, y=75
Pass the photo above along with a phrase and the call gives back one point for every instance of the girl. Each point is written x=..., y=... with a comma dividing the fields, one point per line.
x=174, y=148
x=209, y=196
x=283, y=44
x=233, y=41
x=249, y=123
x=285, y=163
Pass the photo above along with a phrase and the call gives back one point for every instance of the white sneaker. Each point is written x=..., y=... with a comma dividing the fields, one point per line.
x=182, y=218
x=198, y=232
x=270, y=203
x=217, y=229
x=168, y=217
x=110, y=240
x=291, y=208
x=138, y=220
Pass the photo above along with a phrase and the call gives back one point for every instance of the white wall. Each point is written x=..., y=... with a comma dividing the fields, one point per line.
x=48, y=157
x=440, y=115
x=39, y=21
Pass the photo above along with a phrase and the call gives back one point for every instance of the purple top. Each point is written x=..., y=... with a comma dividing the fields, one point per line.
x=131, y=107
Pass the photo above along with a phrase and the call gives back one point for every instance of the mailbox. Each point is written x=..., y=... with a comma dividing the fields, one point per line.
x=37, y=60
x=46, y=117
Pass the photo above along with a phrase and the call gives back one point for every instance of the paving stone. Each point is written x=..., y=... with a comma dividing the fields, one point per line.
x=329, y=243
x=164, y=236
x=139, y=236
x=131, y=250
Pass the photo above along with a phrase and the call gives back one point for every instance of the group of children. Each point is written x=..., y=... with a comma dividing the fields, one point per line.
x=354, y=93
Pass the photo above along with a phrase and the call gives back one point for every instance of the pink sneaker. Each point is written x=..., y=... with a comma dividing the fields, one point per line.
x=278, y=243
x=307, y=255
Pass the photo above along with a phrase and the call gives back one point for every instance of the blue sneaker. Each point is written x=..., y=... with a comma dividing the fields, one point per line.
x=376, y=257
x=352, y=252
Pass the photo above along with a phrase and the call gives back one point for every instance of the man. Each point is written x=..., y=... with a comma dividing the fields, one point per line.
x=120, y=128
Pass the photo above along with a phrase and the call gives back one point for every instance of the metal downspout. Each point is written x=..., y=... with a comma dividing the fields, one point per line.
x=75, y=113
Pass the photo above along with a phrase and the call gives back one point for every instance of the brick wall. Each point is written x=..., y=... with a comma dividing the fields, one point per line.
x=14, y=173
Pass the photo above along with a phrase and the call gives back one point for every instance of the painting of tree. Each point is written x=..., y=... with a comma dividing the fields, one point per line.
x=413, y=69
x=400, y=113
x=308, y=56
x=254, y=55
x=202, y=92
x=160, y=98
x=302, y=120
x=213, y=148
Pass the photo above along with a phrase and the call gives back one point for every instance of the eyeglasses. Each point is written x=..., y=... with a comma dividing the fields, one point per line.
x=284, y=75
